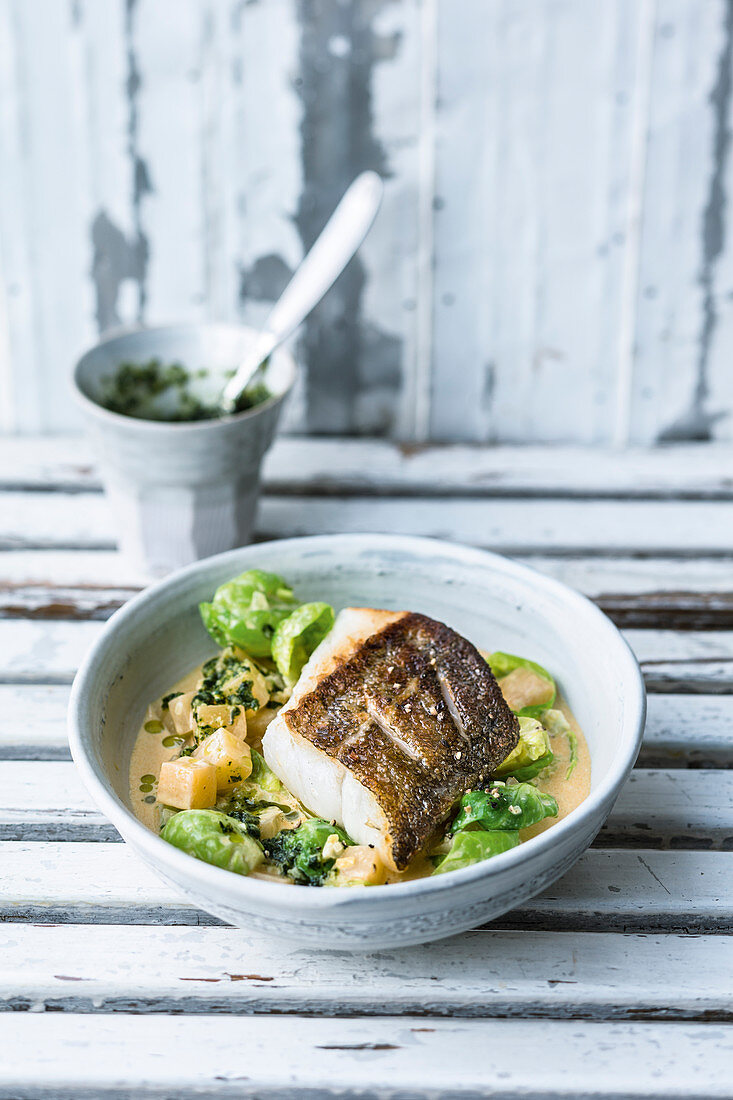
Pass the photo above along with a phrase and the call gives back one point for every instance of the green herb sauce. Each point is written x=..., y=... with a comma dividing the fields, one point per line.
x=134, y=388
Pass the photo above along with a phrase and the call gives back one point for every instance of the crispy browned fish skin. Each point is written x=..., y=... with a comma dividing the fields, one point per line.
x=385, y=713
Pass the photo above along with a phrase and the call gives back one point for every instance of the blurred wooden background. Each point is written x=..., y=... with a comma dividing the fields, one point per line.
x=553, y=261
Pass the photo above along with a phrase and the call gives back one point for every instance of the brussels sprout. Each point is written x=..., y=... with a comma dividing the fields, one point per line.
x=531, y=754
x=558, y=725
x=246, y=611
x=214, y=838
x=299, y=852
x=474, y=847
x=503, y=664
x=296, y=637
x=504, y=807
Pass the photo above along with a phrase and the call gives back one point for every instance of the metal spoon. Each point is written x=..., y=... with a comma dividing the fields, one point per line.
x=343, y=233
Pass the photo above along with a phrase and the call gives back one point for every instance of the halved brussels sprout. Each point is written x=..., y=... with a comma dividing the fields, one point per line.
x=531, y=754
x=214, y=838
x=296, y=637
x=246, y=611
x=474, y=847
x=504, y=806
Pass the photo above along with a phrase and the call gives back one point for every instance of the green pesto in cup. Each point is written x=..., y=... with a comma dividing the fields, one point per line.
x=166, y=392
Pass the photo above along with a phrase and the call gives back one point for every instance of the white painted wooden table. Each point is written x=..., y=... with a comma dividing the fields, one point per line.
x=616, y=982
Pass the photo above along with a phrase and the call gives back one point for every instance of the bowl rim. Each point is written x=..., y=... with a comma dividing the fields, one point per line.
x=209, y=880
x=121, y=332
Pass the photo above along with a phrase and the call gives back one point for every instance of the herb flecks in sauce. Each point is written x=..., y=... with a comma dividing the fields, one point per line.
x=134, y=390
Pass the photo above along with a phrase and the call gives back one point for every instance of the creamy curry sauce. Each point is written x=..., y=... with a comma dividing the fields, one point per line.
x=152, y=749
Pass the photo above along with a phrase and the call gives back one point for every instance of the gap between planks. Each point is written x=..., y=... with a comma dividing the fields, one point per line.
x=485, y=973
x=656, y=809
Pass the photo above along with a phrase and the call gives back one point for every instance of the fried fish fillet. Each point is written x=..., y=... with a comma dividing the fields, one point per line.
x=394, y=716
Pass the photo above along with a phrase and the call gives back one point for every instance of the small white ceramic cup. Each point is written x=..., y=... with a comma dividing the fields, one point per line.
x=180, y=491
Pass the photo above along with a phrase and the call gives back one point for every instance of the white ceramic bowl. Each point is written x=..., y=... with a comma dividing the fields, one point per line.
x=154, y=639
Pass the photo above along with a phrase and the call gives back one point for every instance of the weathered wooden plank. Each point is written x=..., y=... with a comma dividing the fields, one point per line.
x=682, y=731
x=651, y=646
x=534, y=181
x=50, y=651
x=395, y=308
x=688, y=676
x=167, y=54
x=115, y=287
x=43, y=652
x=513, y=526
x=682, y=317
x=18, y=383
x=40, y=519
x=60, y=462
x=214, y=1056
x=46, y=169
x=607, y=890
x=39, y=602
x=656, y=809
x=48, y=800
x=688, y=661
x=684, y=594
x=670, y=809
x=262, y=147
x=357, y=105
x=214, y=42
x=52, y=519
x=33, y=721
x=680, y=610
x=677, y=610
x=478, y=974
x=319, y=465
x=603, y=579
x=688, y=731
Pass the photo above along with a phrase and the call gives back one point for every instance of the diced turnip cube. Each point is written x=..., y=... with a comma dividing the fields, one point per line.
x=187, y=784
x=181, y=714
x=229, y=755
x=215, y=715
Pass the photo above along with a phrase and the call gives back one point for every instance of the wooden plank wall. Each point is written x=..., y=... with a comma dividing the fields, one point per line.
x=553, y=261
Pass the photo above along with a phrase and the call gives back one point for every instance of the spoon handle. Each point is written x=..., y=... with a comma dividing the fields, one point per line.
x=343, y=233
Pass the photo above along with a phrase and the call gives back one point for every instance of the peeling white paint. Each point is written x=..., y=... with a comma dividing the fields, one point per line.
x=535, y=274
